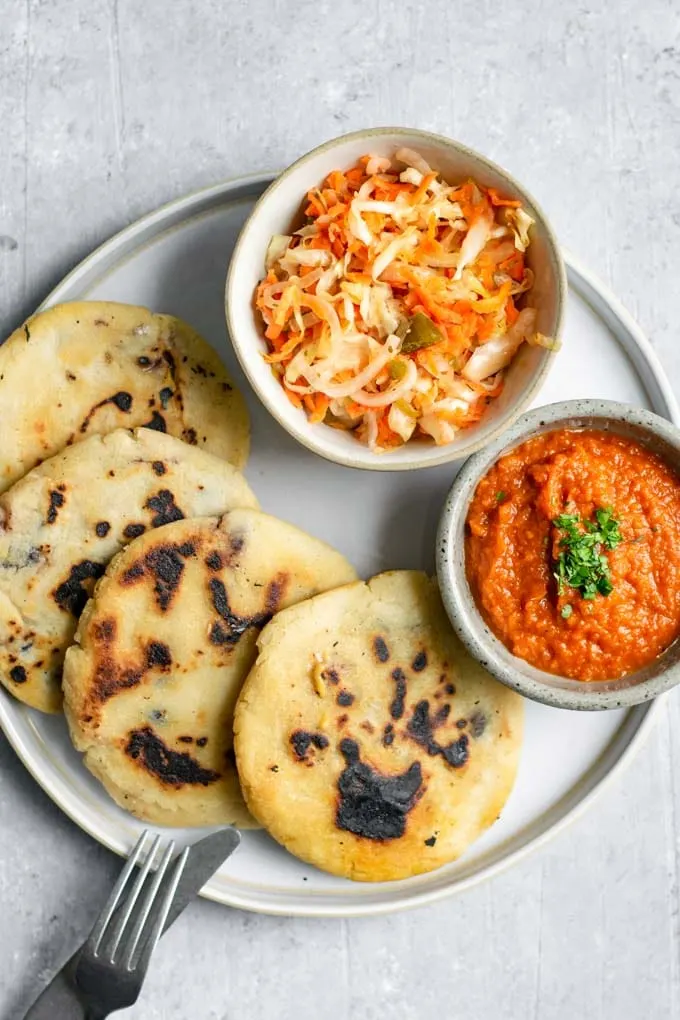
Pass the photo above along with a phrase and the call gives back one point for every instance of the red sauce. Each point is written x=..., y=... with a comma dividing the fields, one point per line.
x=511, y=542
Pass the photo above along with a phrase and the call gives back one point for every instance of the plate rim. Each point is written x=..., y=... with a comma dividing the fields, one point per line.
x=646, y=363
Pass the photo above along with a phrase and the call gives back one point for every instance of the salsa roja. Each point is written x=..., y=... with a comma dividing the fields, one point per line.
x=560, y=621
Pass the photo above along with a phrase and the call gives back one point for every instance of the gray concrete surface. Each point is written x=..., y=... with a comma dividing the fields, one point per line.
x=109, y=108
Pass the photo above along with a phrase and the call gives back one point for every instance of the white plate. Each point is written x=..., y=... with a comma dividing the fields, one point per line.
x=175, y=261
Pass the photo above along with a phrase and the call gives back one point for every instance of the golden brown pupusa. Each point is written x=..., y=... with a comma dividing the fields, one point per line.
x=163, y=648
x=367, y=741
x=94, y=366
x=61, y=524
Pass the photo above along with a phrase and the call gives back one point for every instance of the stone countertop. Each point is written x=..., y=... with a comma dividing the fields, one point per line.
x=110, y=108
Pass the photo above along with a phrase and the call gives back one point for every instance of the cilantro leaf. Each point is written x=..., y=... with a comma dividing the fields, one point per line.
x=581, y=563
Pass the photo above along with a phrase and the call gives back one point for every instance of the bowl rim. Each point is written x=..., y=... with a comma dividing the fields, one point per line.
x=458, y=600
x=305, y=433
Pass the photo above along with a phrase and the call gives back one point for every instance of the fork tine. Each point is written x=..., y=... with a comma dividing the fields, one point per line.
x=162, y=909
x=106, y=914
x=132, y=942
x=132, y=898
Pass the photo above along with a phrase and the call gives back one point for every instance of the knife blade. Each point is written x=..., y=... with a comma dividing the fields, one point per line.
x=205, y=857
x=60, y=999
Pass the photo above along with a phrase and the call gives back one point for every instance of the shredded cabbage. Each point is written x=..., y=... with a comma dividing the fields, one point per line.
x=498, y=352
x=414, y=159
x=275, y=249
x=520, y=222
x=403, y=424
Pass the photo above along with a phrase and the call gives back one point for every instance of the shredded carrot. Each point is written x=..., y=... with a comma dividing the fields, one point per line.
x=315, y=206
x=321, y=403
x=497, y=200
x=272, y=332
x=386, y=437
x=421, y=190
x=511, y=313
x=286, y=350
x=514, y=266
x=354, y=410
x=488, y=329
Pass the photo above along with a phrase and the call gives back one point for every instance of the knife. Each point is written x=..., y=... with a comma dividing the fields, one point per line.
x=59, y=998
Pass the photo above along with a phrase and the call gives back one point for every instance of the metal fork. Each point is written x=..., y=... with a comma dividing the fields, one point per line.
x=114, y=960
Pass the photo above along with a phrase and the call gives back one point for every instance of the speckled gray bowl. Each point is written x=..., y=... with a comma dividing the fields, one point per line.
x=646, y=428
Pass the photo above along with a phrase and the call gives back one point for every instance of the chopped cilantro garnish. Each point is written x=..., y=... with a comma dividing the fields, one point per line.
x=582, y=564
x=500, y=496
x=566, y=611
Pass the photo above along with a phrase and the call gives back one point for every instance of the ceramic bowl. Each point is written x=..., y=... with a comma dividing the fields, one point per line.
x=279, y=210
x=646, y=428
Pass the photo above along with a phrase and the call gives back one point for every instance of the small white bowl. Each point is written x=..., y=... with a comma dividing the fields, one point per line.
x=278, y=210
